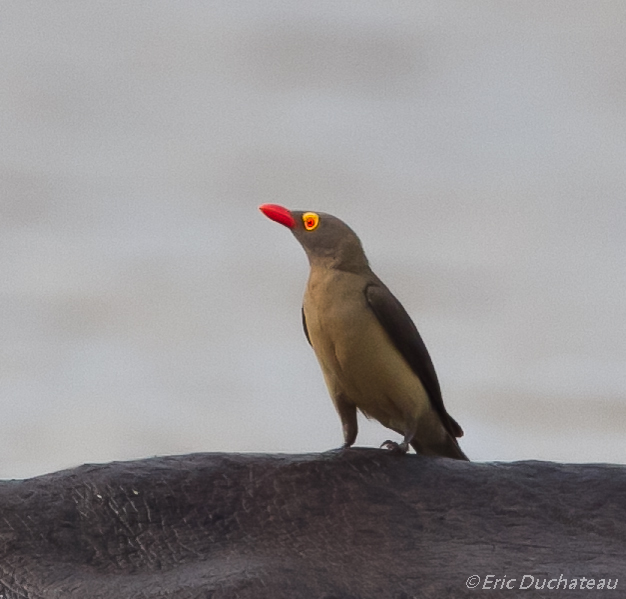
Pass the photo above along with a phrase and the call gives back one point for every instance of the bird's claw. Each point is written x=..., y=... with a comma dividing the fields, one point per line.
x=393, y=447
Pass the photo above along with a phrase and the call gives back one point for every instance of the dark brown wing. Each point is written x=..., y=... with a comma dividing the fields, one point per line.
x=306, y=331
x=404, y=335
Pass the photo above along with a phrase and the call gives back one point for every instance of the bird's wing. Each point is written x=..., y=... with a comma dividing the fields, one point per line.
x=404, y=335
x=306, y=331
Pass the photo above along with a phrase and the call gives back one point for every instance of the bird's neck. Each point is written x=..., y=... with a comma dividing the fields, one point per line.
x=353, y=263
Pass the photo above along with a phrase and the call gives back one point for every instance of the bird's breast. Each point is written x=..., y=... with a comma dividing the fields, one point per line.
x=356, y=355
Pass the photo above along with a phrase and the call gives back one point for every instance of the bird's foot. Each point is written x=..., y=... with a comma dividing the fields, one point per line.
x=393, y=447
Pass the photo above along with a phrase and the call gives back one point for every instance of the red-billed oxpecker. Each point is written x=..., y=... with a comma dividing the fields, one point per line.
x=370, y=352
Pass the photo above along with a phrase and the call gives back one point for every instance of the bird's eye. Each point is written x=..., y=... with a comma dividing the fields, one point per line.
x=310, y=220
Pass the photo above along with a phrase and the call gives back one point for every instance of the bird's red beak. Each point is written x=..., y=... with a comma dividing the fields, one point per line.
x=279, y=214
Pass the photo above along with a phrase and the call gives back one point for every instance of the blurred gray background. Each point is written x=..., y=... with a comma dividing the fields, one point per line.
x=147, y=307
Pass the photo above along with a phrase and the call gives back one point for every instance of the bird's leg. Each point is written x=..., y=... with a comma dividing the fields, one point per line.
x=399, y=448
x=393, y=447
x=347, y=413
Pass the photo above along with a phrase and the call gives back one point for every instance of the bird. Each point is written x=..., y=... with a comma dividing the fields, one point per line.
x=371, y=354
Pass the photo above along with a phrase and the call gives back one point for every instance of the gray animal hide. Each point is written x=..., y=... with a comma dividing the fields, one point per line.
x=355, y=524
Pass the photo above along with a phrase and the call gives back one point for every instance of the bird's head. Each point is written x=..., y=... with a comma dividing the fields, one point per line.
x=327, y=240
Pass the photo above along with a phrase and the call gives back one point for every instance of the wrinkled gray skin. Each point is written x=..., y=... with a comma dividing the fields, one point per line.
x=361, y=523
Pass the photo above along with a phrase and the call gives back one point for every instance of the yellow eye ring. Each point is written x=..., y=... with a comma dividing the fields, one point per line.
x=310, y=220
